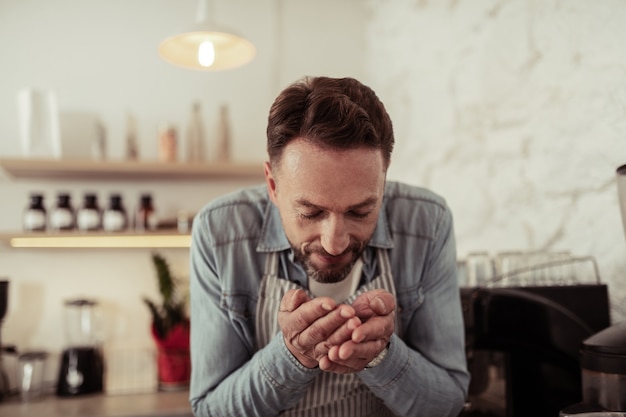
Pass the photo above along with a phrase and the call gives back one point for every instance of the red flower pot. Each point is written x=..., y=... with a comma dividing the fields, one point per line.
x=173, y=361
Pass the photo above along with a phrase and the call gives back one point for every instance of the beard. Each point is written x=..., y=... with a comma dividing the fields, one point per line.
x=328, y=275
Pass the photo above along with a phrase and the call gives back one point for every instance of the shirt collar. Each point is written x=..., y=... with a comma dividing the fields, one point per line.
x=273, y=238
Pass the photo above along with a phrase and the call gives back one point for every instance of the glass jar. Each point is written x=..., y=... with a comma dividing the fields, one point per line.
x=34, y=219
x=62, y=217
x=480, y=269
x=89, y=217
x=114, y=218
x=145, y=216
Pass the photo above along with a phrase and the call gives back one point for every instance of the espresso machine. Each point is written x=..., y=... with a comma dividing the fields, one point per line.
x=603, y=356
x=522, y=346
x=82, y=363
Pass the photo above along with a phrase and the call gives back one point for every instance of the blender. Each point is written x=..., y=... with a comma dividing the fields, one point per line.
x=82, y=363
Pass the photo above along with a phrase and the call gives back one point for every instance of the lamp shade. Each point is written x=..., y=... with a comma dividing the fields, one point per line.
x=207, y=48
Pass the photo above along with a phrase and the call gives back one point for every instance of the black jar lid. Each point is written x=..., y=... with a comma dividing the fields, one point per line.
x=146, y=199
x=605, y=351
x=81, y=302
x=64, y=198
x=33, y=355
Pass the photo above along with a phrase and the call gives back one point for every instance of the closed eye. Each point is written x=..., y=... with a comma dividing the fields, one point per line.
x=318, y=214
x=310, y=216
x=359, y=215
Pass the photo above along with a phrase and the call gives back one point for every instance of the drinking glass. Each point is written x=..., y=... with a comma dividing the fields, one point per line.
x=479, y=269
x=31, y=369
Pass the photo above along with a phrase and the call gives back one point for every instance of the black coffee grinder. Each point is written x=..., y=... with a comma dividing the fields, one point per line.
x=82, y=363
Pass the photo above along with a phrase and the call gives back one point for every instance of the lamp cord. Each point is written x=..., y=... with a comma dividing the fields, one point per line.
x=202, y=12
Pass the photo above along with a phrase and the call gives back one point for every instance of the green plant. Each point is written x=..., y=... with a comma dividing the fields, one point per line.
x=172, y=310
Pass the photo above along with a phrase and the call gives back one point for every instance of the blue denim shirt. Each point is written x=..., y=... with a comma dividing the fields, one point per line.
x=424, y=372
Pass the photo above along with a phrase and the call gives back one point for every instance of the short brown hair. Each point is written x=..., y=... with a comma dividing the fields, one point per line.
x=329, y=112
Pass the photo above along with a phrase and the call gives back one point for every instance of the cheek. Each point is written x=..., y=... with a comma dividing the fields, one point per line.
x=298, y=233
x=362, y=231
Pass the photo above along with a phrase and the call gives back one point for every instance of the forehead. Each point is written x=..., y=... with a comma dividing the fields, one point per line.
x=330, y=177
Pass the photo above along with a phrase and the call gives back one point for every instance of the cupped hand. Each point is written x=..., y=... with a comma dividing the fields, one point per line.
x=376, y=311
x=311, y=327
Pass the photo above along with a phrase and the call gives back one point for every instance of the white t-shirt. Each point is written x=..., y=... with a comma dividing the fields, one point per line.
x=339, y=291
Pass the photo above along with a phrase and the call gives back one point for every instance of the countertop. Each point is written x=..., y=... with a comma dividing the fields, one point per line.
x=159, y=404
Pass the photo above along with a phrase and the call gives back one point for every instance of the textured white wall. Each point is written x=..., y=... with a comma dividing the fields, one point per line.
x=515, y=111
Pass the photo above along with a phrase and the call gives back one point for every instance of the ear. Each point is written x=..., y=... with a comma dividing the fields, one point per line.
x=270, y=181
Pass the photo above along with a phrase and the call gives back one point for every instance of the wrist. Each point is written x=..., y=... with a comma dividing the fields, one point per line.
x=378, y=359
x=303, y=360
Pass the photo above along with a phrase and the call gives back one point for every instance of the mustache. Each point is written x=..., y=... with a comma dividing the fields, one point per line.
x=354, y=246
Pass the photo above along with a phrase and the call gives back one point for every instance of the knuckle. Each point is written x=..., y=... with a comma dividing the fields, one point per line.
x=298, y=343
x=316, y=334
x=321, y=349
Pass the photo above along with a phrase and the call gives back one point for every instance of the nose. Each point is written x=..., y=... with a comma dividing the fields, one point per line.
x=334, y=237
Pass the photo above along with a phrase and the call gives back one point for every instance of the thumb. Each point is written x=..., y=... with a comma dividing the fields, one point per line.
x=292, y=300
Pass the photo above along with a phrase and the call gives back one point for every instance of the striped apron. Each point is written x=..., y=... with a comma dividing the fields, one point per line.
x=330, y=395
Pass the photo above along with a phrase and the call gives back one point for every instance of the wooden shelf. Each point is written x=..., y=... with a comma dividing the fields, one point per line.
x=128, y=170
x=76, y=239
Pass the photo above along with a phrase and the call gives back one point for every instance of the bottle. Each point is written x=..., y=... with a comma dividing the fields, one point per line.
x=89, y=217
x=114, y=218
x=145, y=216
x=195, y=135
x=34, y=219
x=99, y=144
x=168, y=143
x=223, y=135
x=132, y=149
x=62, y=217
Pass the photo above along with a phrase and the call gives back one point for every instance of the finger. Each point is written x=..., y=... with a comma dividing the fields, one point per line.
x=374, y=302
x=339, y=336
x=344, y=332
x=327, y=365
x=381, y=306
x=356, y=355
x=349, y=355
x=297, y=311
x=377, y=327
x=323, y=327
x=292, y=300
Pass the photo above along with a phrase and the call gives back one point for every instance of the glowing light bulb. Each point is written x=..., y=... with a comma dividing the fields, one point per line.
x=206, y=54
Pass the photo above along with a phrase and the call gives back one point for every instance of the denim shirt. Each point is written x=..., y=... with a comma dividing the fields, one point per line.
x=424, y=372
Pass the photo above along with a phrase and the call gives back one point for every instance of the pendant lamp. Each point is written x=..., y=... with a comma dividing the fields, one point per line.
x=207, y=46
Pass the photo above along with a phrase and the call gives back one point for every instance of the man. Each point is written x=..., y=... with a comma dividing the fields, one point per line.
x=329, y=291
